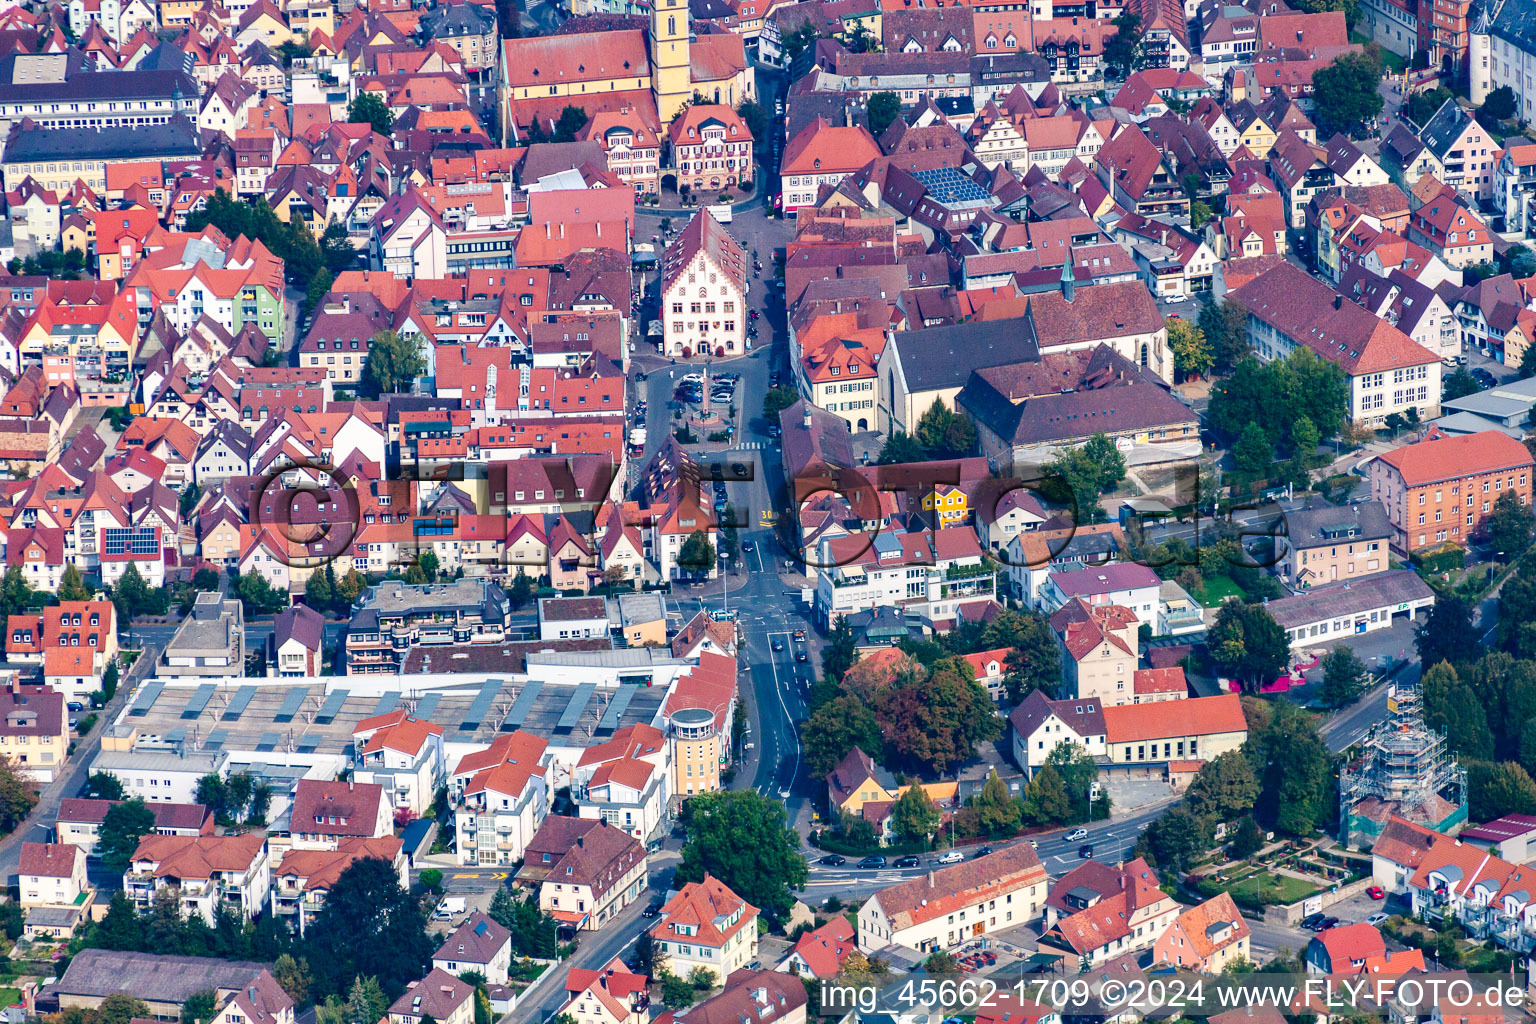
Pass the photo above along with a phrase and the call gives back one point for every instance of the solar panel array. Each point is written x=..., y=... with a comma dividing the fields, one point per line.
x=332, y=707
x=238, y=702
x=269, y=741
x=578, y=704
x=176, y=736
x=616, y=708
x=521, y=706
x=291, y=704
x=146, y=698
x=948, y=185
x=216, y=739
x=130, y=540
x=308, y=745
x=482, y=705
x=199, y=700
x=426, y=706
x=386, y=703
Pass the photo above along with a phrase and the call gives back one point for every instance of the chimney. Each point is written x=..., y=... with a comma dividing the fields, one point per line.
x=805, y=416
x=581, y=842
x=1338, y=302
x=930, y=879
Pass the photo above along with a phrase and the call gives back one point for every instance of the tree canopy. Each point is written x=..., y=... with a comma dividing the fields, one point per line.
x=391, y=366
x=122, y=828
x=369, y=927
x=1248, y=644
x=881, y=109
x=1346, y=97
x=369, y=108
x=743, y=838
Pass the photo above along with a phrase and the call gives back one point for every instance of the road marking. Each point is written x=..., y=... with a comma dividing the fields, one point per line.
x=502, y=875
x=466, y=876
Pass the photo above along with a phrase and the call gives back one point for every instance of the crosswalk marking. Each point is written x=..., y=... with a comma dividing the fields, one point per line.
x=750, y=446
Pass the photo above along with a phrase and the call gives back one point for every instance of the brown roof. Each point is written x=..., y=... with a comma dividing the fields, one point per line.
x=705, y=907
x=50, y=860
x=961, y=885
x=1444, y=457
x=578, y=57
x=1308, y=312
x=476, y=941
x=438, y=994
x=1096, y=312
x=199, y=857
x=704, y=234
x=1403, y=842
x=335, y=808
x=181, y=817
x=597, y=854
x=750, y=997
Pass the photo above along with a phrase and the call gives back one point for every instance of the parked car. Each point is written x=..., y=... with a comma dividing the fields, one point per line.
x=1377, y=919
x=909, y=861
x=1311, y=921
x=982, y=851
x=833, y=860
x=1375, y=892
x=951, y=857
x=778, y=645
x=873, y=861
x=651, y=911
x=1076, y=834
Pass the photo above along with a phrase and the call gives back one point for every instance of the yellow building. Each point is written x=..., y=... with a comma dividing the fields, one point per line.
x=34, y=733
x=948, y=503
x=672, y=72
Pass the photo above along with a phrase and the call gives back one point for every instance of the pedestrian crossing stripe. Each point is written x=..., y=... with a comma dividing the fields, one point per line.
x=749, y=446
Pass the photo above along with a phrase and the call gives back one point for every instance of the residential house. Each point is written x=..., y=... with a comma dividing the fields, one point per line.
x=1096, y=913
x=478, y=944
x=950, y=906
x=819, y=953
x=1344, y=949
x=1206, y=937
x=51, y=875
x=204, y=871
x=586, y=870
x=706, y=925
x=1327, y=543
x=1099, y=650
x=1039, y=725
x=440, y=996
x=34, y=733
x=403, y=754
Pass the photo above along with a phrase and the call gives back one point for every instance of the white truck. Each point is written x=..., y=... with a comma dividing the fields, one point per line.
x=636, y=441
x=451, y=907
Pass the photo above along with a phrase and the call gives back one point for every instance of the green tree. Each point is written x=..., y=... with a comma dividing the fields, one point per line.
x=199, y=1007
x=1459, y=385
x=119, y=1008
x=757, y=119
x=1034, y=661
x=1452, y=706
x=1224, y=788
x=259, y=597
x=944, y=433
x=1447, y=634
x=103, y=786
x=1225, y=326
x=336, y=250
x=1499, y=104
x=121, y=829
x=1200, y=214
x=319, y=592
x=1248, y=644
x=314, y=294
x=1192, y=353
x=841, y=651
x=901, y=448
x=1510, y=525
x=933, y=721
x=1344, y=677
x=18, y=795
x=432, y=880
x=1078, y=772
x=109, y=681
x=72, y=585
x=534, y=933
x=1120, y=50
x=370, y=108
x=292, y=975
x=836, y=728
x=1517, y=613
x=120, y=928
x=1248, y=839
x=776, y=400
x=882, y=109
x=365, y=1001
x=1294, y=766
x=997, y=812
x=133, y=596
x=391, y=365
x=743, y=839
x=1304, y=441
x=369, y=927
x=572, y=120
x=914, y=816
x=1045, y=798
x=521, y=591
x=1497, y=789
x=1254, y=451
x=697, y=554
x=1175, y=841
x=351, y=586
x=1346, y=97
x=213, y=794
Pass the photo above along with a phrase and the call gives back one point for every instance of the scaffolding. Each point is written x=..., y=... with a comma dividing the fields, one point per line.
x=1404, y=768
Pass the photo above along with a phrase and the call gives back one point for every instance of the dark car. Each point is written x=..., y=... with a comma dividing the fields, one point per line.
x=983, y=851
x=1311, y=922
x=1483, y=377
x=909, y=861
x=1085, y=851
x=1327, y=923
x=778, y=645
x=651, y=911
x=799, y=655
x=833, y=860
x=748, y=546
x=873, y=861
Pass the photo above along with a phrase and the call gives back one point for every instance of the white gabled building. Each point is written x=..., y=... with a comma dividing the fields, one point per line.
x=953, y=905
x=500, y=797
x=704, y=292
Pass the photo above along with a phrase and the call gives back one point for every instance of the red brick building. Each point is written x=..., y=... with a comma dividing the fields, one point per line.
x=1443, y=488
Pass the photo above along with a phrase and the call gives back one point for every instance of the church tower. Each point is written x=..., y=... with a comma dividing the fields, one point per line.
x=671, y=75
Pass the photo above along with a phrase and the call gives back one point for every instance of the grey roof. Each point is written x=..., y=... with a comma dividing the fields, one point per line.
x=936, y=358
x=301, y=623
x=1337, y=600
x=21, y=82
x=1510, y=402
x=1473, y=423
x=628, y=609
x=1516, y=23
x=395, y=598
x=1322, y=523
x=827, y=441
x=152, y=977
x=447, y=21
x=1442, y=130
x=177, y=137
x=201, y=762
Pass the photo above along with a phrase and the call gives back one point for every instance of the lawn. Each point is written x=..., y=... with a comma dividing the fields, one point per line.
x=1217, y=589
x=10, y=996
x=1274, y=888
x=1391, y=61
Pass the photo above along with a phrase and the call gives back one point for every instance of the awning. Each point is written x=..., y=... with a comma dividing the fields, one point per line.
x=569, y=917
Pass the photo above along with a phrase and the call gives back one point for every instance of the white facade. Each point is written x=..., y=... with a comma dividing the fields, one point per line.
x=704, y=311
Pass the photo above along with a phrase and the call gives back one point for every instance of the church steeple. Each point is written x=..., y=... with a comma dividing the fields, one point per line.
x=671, y=75
x=1068, y=283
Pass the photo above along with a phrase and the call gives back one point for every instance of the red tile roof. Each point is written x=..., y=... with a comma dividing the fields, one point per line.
x=1197, y=716
x=1444, y=457
x=48, y=860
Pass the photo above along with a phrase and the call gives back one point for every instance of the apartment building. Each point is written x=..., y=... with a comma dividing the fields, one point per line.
x=393, y=617
x=500, y=797
x=1442, y=489
x=210, y=642
x=586, y=870
x=404, y=755
x=934, y=574
x=707, y=925
x=953, y=905
x=205, y=871
x=1327, y=543
x=34, y=731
